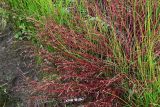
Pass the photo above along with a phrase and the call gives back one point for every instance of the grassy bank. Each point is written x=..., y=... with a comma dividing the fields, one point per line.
x=114, y=44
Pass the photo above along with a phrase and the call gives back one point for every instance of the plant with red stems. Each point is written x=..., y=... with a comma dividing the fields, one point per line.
x=82, y=72
x=89, y=60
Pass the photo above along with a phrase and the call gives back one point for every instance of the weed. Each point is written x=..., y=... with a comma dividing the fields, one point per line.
x=3, y=19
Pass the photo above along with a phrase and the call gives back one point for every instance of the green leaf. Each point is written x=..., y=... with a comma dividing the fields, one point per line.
x=50, y=48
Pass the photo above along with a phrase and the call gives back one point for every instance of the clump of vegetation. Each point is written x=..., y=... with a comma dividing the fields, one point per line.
x=3, y=18
x=79, y=66
x=4, y=98
x=25, y=12
x=104, y=52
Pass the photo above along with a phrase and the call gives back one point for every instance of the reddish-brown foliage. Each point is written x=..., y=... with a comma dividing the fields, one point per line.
x=128, y=21
x=81, y=70
x=79, y=58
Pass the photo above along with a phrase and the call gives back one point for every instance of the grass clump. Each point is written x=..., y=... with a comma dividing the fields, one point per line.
x=35, y=8
x=100, y=49
x=128, y=44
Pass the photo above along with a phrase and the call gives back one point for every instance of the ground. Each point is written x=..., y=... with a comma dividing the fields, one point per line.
x=17, y=66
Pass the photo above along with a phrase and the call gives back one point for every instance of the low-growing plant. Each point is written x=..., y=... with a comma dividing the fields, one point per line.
x=3, y=19
x=4, y=98
x=25, y=12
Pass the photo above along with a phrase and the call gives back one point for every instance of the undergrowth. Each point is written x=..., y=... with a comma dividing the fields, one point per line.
x=104, y=52
x=24, y=13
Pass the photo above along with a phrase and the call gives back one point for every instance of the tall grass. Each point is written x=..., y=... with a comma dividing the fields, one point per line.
x=24, y=13
x=123, y=34
x=132, y=30
x=32, y=8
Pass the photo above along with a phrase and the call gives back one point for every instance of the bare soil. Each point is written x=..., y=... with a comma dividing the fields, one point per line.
x=17, y=66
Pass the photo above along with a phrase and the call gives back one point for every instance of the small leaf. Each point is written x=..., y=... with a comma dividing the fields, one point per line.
x=50, y=48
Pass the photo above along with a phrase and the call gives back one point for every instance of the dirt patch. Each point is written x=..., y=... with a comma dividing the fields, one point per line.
x=17, y=65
